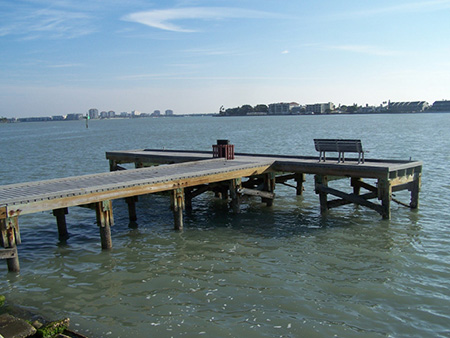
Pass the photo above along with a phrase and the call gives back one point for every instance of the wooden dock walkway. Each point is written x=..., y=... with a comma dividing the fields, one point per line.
x=191, y=173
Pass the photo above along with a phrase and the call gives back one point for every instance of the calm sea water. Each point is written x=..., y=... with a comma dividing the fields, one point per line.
x=282, y=271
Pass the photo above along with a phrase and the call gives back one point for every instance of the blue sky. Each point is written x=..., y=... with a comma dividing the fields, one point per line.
x=66, y=56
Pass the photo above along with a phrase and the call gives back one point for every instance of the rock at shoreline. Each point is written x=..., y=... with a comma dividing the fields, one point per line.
x=12, y=327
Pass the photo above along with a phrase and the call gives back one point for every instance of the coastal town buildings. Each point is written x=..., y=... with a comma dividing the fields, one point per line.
x=93, y=113
x=281, y=108
x=72, y=117
x=319, y=108
x=443, y=105
x=408, y=107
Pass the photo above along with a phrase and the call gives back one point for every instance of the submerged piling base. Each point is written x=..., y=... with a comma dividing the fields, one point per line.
x=10, y=237
x=105, y=220
x=178, y=205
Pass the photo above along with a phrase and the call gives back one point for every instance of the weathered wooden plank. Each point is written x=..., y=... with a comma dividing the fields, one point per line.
x=401, y=180
x=255, y=192
x=8, y=253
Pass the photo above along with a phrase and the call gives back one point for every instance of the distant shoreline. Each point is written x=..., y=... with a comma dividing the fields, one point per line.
x=48, y=119
x=342, y=113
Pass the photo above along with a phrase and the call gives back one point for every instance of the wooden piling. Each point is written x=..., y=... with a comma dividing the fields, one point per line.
x=269, y=186
x=385, y=196
x=60, y=215
x=9, y=228
x=112, y=165
x=188, y=195
x=415, y=189
x=321, y=182
x=131, y=203
x=235, y=203
x=178, y=205
x=105, y=220
x=355, y=182
x=299, y=179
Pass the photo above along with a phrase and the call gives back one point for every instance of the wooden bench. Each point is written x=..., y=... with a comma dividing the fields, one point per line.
x=340, y=146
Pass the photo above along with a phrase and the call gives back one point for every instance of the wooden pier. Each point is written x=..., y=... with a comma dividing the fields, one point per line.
x=187, y=174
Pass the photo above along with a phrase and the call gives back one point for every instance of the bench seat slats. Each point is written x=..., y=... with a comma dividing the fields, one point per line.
x=340, y=146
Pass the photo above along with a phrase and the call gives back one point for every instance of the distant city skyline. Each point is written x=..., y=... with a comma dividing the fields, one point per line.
x=62, y=57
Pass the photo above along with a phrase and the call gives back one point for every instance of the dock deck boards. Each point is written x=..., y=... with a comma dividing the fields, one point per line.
x=372, y=168
x=37, y=196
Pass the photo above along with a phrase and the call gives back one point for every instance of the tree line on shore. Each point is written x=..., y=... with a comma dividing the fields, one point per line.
x=247, y=109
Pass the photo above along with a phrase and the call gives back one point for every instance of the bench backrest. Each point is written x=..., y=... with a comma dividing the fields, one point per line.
x=338, y=145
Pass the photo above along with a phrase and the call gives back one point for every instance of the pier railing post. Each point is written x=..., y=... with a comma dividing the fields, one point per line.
x=178, y=205
x=60, y=215
x=321, y=181
x=105, y=220
x=9, y=228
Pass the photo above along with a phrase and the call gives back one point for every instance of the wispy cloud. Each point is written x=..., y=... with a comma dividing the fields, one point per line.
x=65, y=65
x=353, y=48
x=363, y=49
x=211, y=51
x=420, y=6
x=32, y=23
x=164, y=18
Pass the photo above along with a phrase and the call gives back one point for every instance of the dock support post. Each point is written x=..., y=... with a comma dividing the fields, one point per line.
x=188, y=199
x=105, y=220
x=300, y=179
x=385, y=195
x=10, y=238
x=131, y=202
x=322, y=181
x=112, y=165
x=354, y=182
x=235, y=185
x=415, y=189
x=178, y=205
x=269, y=186
x=60, y=215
